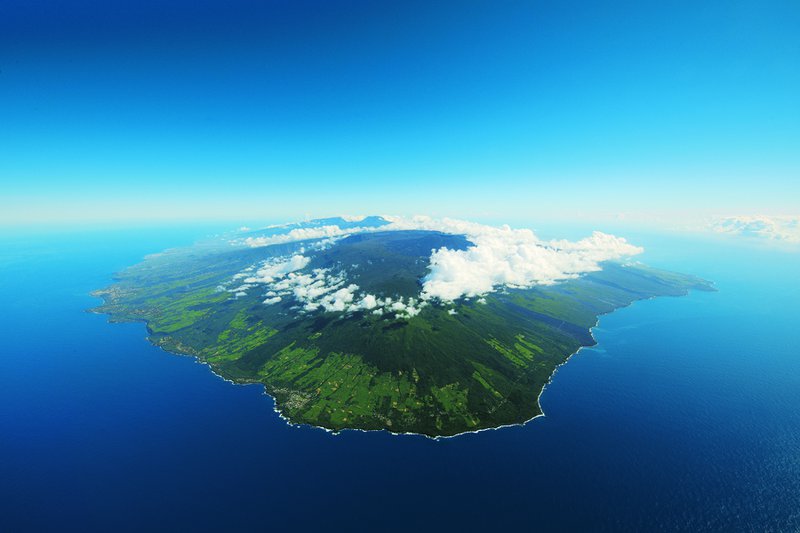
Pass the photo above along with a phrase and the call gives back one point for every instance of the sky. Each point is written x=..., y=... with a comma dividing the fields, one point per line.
x=243, y=110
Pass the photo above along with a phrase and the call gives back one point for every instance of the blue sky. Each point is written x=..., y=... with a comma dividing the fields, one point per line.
x=155, y=110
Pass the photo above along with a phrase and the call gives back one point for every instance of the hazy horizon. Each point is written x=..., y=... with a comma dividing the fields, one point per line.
x=182, y=111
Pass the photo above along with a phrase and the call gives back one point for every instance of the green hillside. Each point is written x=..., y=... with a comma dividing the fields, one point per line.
x=451, y=368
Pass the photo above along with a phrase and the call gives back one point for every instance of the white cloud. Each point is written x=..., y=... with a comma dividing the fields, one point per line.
x=300, y=234
x=514, y=258
x=779, y=228
x=411, y=311
x=368, y=302
x=318, y=289
x=277, y=268
x=339, y=300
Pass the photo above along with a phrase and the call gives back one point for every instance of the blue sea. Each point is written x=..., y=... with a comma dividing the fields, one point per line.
x=685, y=416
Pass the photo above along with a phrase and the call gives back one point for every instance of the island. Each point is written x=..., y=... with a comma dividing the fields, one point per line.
x=359, y=323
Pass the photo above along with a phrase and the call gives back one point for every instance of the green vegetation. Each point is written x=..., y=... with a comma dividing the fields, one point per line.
x=435, y=373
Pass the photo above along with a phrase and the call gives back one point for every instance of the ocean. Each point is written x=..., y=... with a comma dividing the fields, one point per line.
x=685, y=416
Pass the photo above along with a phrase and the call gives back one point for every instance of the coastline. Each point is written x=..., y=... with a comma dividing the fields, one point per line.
x=100, y=294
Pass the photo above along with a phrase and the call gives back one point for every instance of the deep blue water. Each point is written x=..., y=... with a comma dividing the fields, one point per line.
x=685, y=416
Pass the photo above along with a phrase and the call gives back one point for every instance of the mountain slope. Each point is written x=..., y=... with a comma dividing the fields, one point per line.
x=453, y=367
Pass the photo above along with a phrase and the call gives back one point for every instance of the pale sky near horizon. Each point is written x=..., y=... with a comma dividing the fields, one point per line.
x=156, y=110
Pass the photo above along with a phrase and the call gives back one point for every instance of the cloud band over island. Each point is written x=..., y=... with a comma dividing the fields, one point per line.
x=497, y=257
